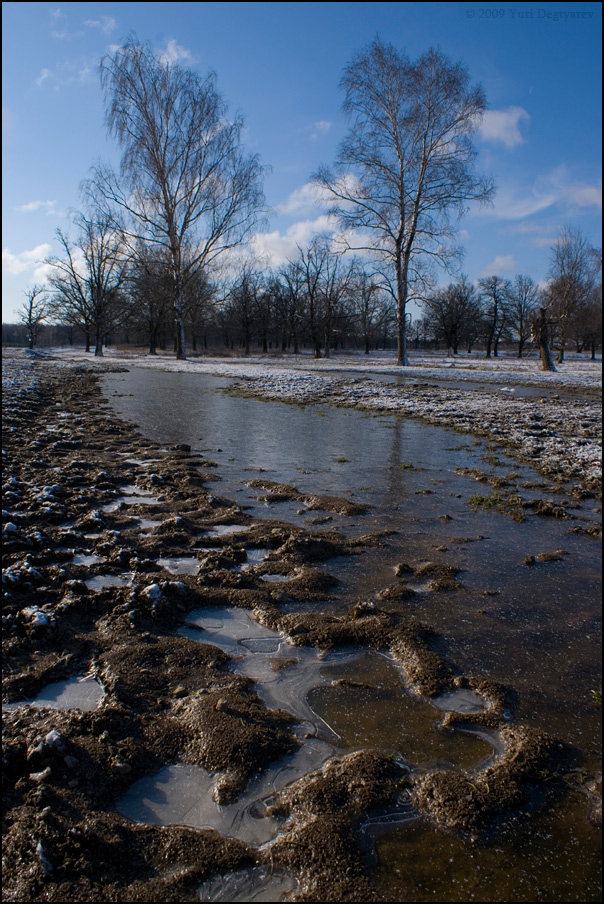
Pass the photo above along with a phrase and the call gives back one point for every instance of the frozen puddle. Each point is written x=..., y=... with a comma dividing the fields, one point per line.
x=285, y=677
x=284, y=674
x=460, y=700
x=82, y=693
x=180, y=564
x=258, y=883
x=182, y=795
x=89, y=559
x=255, y=556
x=146, y=524
x=101, y=581
x=133, y=495
x=224, y=530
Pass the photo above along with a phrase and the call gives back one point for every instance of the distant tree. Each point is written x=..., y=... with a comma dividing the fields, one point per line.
x=407, y=162
x=243, y=304
x=572, y=278
x=522, y=304
x=185, y=184
x=291, y=304
x=367, y=308
x=312, y=266
x=591, y=322
x=337, y=283
x=266, y=300
x=494, y=294
x=33, y=312
x=421, y=332
x=452, y=313
x=150, y=289
x=89, y=280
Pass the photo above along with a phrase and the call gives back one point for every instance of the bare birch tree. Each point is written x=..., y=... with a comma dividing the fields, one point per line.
x=573, y=275
x=184, y=183
x=33, y=312
x=408, y=162
x=523, y=301
x=494, y=294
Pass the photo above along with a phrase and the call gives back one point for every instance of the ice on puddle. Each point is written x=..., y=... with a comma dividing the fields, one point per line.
x=84, y=693
x=459, y=700
x=180, y=564
x=257, y=883
x=182, y=795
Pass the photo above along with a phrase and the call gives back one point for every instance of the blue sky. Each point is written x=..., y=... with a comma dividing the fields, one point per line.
x=280, y=64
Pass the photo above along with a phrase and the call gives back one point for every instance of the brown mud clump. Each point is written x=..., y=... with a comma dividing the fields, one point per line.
x=321, y=811
x=282, y=492
x=469, y=803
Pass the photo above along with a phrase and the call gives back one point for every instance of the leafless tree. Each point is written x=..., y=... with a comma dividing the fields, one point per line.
x=244, y=302
x=185, y=183
x=451, y=313
x=367, y=307
x=408, y=162
x=337, y=284
x=88, y=281
x=494, y=293
x=291, y=304
x=572, y=278
x=523, y=301
x=311, y=264
x=33, y=312
x=150, y=289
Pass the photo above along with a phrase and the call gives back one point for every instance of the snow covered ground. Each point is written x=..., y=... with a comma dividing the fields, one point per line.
x=576, y=370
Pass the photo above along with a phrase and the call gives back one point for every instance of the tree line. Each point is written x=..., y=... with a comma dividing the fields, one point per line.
x=162, y=254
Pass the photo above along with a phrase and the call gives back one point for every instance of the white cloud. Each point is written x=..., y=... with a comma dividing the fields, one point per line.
x=584, y=195
x=321, y=127
x=304, y=199
x=502, y=263
x=44, y=74
x=66, y=73
x=555, y=188
x=106, y=24
x=310, y=196
x=277, y=247
x=37, y=205
x=42, y=273
x=504, y=126
x=13, y=264
x=540, y=236
x=174, y=53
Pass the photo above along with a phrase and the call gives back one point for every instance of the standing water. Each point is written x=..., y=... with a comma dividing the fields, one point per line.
x=535, y=629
